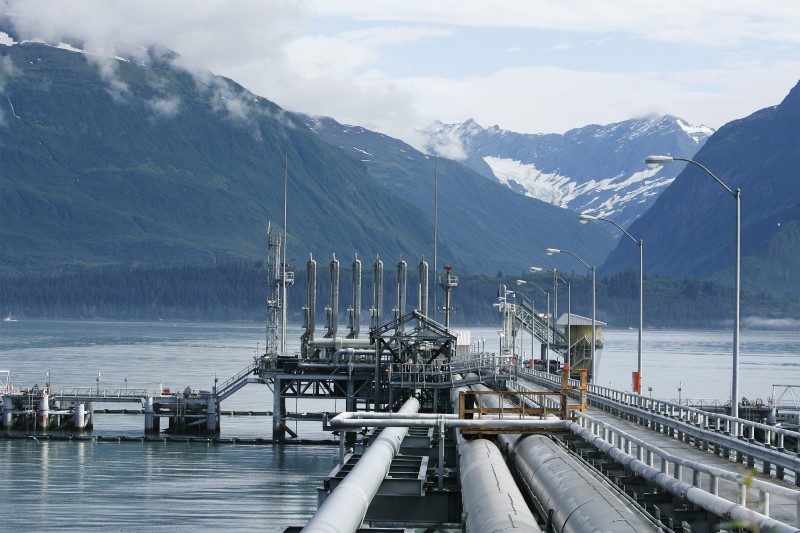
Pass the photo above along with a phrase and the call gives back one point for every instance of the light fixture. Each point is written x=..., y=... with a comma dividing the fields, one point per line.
x=657, y=160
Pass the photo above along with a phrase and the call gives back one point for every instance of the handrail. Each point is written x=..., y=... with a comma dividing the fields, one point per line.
x=647, y=411
x=646, y=452
x=221, y=389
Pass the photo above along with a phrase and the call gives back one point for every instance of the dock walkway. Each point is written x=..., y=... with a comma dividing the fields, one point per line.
x=782, y=502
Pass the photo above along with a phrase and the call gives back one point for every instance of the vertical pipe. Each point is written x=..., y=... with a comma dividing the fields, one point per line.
x=423, y=287
x=355, y=310
x=402, y=278
x=377, y=293
x=311, y=304
x=333, y=300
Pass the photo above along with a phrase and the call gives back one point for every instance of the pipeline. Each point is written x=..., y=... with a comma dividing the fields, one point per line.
x=345, y=507
x=571, y=498
x=491, y=499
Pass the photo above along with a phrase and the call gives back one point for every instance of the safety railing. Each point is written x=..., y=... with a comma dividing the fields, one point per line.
x=772, y=437
x=703, y=476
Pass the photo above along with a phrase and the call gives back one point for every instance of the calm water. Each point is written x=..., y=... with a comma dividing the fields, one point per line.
x=189, y=487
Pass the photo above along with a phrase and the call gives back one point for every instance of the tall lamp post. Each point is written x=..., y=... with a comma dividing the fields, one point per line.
x=533, y=316
x=637, y=385
x=657, y=160
x=552, y=251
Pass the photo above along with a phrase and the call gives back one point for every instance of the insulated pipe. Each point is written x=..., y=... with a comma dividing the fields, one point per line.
x=309, y=310
x=402, y=278
x=333, y=300
x=491, y=499
x=345, y=507
x=573, y=499
x=340, y=343
x=377, y=294
x=346, y=354
x=355, y=309
x=423, y=287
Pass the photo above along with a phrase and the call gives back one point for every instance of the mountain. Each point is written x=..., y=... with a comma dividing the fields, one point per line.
x=483, y=223
x=594, y=169
x=131, y=160
x=690, y=230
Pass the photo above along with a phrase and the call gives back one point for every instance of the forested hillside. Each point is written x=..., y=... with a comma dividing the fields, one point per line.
x=237, y=291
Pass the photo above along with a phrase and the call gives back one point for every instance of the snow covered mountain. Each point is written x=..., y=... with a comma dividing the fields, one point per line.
x=595, y=169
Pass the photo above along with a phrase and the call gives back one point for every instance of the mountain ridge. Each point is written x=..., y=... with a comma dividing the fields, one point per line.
x=594, y=169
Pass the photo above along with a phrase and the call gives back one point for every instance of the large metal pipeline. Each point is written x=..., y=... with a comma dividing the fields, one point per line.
x=491, y=499
x=345, y=507
x=572, y=498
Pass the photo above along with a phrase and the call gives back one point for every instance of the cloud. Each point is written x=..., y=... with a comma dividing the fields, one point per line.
x=164, y=107
x=330, y=58
x=702, y=22
x=7, y=70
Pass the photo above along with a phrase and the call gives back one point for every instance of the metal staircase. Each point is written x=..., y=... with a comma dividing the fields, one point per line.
x=542, y=329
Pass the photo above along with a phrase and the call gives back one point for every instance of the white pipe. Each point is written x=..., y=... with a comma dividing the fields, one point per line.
x=345, y=507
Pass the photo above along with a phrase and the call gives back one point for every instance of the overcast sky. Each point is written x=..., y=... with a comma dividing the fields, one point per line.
x=531, y=66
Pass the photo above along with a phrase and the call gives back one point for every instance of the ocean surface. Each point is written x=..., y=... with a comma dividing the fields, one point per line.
x=132, y=486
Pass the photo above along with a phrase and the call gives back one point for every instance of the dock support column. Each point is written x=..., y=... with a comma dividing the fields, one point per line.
x=212, y=420
x=8, y=411
x=278, y=411
x=79, y=416
x=150, y=420
x=44, y=412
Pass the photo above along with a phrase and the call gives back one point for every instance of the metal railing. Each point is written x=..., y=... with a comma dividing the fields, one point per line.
x=768, y=436
x=674, y=466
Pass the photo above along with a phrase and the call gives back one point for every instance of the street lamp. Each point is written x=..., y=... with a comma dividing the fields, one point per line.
x=656, y=160
x=556, y=277
x=533, y=317
x=552, y=251
x=637, y=387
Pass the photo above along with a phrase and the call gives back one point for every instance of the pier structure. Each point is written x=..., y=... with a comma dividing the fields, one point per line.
x=410, y=351
x=543, y=452
x=43, y=409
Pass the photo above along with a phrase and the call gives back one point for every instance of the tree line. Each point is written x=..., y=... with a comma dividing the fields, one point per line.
x=238, y=291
